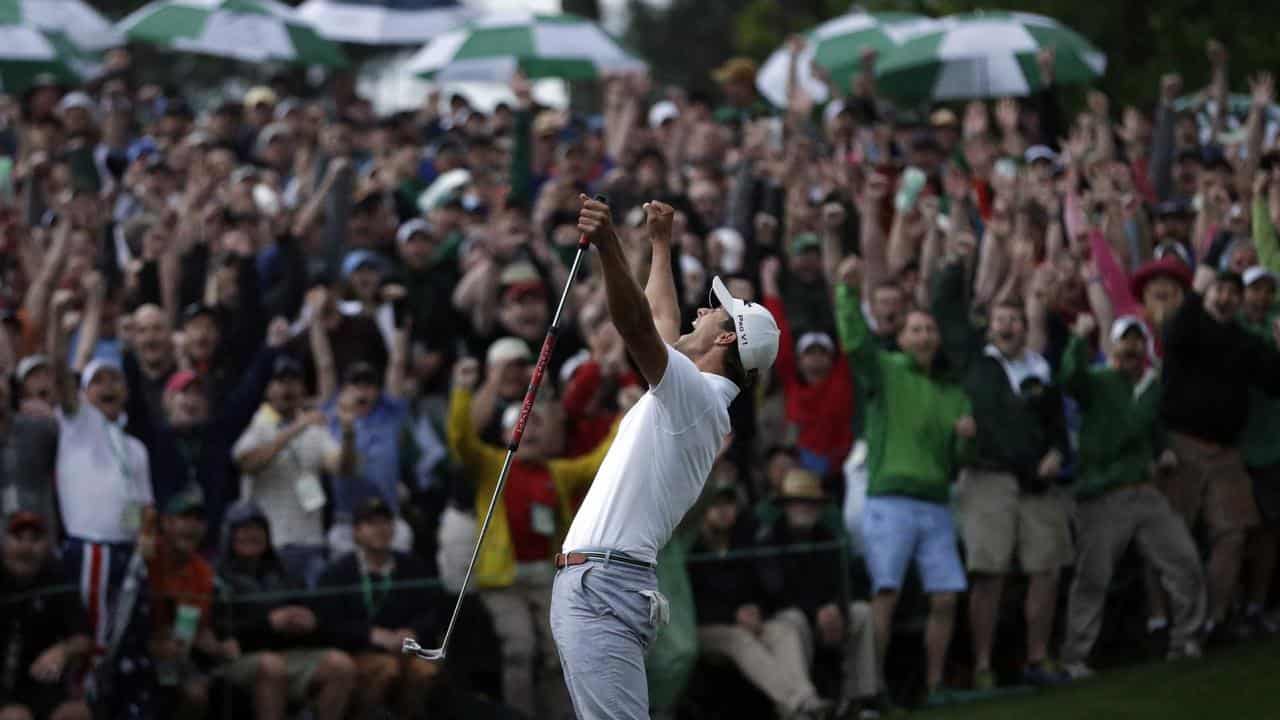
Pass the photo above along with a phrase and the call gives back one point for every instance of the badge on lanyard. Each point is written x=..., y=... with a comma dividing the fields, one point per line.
x=185, y=624
x=543, y=519
x=131, y=517
x=310, y=493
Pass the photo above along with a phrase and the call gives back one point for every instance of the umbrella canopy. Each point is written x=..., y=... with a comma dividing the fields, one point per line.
x=249, y=30
x=74, y=19
x=494, y=47
x=28, y=56
x=383, y=22
x=837, y=46
x=986, y=54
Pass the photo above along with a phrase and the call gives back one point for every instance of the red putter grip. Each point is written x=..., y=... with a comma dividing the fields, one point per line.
x=548, y=344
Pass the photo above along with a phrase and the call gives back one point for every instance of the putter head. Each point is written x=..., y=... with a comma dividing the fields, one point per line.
x=411, y=647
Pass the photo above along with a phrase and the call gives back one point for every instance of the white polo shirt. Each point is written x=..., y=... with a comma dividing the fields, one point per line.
x=658, y=463
x=104, y=477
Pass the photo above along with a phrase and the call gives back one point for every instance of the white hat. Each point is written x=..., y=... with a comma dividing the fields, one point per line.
x=507, y=349
x=96, y=366
x=1125, y=323
x=662, y=111
x=1039, y=152
x=409, y=227
x=1256, y=273
x=77, y=99
x=810, y=339
x=732, y=248
x=755, y=327
x=29, y=364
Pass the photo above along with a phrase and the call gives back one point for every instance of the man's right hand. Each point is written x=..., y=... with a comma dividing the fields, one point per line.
x=466, y=373
x=595, y=220
x=850, y=271
x=1084, y=326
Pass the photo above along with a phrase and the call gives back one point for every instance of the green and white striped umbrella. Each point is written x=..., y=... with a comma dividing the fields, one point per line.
x=27, y=54
x=248, y=30
x=75, y=20
x=837, y=46
x=983, y=55
x=493, y=47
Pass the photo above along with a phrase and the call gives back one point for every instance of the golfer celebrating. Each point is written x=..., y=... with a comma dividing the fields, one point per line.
x=605, y=605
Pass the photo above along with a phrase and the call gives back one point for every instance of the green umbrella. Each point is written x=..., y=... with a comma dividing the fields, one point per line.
x=28, y=57
x=493, y=47
x=248, y=30
x=82, y=26
x=985, y=54
x=837, y=46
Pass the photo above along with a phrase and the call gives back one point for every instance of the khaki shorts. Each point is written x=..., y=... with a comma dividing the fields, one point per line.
x=300, y=667
x=996, y=519
x=1210, y=481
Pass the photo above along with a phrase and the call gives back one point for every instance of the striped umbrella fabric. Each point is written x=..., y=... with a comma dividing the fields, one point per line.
x=74, y=19
x=253, y=31
x=986, y=54
x=492, y=48
x=837, y=46
x=383, y=22
x=28, y=55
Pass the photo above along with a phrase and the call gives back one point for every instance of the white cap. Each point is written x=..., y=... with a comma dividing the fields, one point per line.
x=96, y=366
x=507, y=349
x=662, y=111
x=77, y=99
x=756, y=329
x=409, y=227
x=1125, y=323
x=28, y=364
x=1256, y=273
x=810, y=339
x=1039, y=152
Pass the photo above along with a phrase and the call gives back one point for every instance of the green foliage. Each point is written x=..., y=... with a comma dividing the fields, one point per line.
x=686, y=40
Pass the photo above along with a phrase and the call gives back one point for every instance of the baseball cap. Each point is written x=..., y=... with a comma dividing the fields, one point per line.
x=801, y=484
x=662, y=111
x=815, y=339
x=738, y=69
x=260, y=95
x=943, y=118
x=1036, y=153
x=755, y=327
x=181, y=380
x=1251, y=276
x=357, y=259
x=371, y=508
x=508, y=349
x=96, y=366
x=805, y=241
x=77, y=99
x=361, y=373
x=188, y=501
x=1169, y=266
x=28, y=365
x=21, y=520
x=409, y=228
x=1124, y=324
x=285, y=367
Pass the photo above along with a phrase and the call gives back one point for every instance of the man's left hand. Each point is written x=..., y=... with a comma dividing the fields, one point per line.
x=1050, y=465
x=830, y=625
x=49, y=666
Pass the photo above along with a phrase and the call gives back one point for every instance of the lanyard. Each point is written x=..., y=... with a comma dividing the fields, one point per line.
x=384, y=593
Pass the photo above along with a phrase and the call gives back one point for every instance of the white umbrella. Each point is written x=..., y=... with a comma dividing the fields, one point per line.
x=383, y=22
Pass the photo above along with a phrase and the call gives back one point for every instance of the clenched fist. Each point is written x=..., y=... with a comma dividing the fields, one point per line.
x=595, y=220
x=658, y=218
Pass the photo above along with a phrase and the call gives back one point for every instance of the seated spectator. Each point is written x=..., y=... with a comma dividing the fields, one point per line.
x=1120, y=438
x=372, y=624
x=728, y=598
x=45, y=633
x=181, y=601
x=919, y=431
x=282, y=661
x=282, y=454
x=806, y=591
x=514, y=569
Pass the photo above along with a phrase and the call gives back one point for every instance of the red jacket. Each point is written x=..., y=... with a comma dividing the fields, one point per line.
x=823, y=412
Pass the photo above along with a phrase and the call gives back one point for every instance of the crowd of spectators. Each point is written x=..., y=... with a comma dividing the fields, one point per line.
x=292, y=336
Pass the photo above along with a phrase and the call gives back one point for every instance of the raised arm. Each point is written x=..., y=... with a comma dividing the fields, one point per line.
x=851, y=326
x=321, y=348
x=37, y=299
x=660, y=290
x=56, y=331
x=628, y=306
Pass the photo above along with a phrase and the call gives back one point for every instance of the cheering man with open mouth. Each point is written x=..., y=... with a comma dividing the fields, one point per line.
x=605, y=606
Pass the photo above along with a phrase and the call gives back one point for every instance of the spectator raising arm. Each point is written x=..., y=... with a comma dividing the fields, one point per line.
x=321, y=348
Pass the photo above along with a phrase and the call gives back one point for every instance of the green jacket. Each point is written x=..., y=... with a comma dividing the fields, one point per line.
x=1120, y=430
x=1015, y=429
x=910, y=413
x=1260, y=440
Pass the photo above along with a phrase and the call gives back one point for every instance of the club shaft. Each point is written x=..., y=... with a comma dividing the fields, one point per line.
x=531, y=394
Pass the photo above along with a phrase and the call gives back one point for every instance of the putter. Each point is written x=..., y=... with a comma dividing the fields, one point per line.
x=410, y=645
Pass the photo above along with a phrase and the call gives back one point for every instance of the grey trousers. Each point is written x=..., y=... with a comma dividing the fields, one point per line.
x=1105, y=525
x=604, y=616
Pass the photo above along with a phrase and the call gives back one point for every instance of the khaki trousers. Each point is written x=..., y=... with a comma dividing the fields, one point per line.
x=521, y=613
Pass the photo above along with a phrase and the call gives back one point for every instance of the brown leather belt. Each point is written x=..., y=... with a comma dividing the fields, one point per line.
x=564, y=560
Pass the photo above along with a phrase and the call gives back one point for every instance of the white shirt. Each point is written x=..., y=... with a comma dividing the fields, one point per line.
x=279, y=486
x=658, y=463
x=104, y=477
